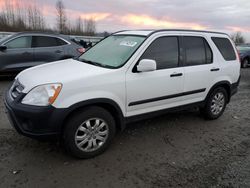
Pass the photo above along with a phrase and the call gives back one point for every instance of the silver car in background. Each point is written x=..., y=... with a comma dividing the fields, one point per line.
x=23, y=50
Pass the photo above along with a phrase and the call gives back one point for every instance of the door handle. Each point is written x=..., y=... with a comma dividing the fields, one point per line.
x=58, y=51
x=176, y=74
x=214, y=69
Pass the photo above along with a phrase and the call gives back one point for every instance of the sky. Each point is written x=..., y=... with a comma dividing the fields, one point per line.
x=112, y=15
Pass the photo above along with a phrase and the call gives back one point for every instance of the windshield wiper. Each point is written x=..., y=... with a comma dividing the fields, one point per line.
x=89, y=62
x=95, y=63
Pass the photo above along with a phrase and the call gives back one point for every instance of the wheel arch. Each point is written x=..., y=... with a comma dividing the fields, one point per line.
x=108, y=104
x=224, y=84
x=247, y=57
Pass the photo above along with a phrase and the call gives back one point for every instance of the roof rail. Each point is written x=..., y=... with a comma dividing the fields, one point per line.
x=188, y=30
x=162, y=30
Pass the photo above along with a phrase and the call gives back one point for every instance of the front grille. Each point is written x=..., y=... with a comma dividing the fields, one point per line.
x=16, y=89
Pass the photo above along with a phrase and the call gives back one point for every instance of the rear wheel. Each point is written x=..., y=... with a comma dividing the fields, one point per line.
x=245, y=63
x=215, y=104
x=89, y=132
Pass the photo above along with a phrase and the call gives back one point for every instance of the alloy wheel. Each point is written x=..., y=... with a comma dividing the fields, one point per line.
x=91, y=134
x=218, y=103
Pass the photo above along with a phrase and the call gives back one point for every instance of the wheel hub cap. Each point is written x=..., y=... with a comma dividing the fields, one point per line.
x=218, y=103
x=91, y=134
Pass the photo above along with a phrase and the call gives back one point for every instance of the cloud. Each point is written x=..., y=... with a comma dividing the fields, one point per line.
x=112, y=15
x=93, y=15
x=148, y=21
x=238, y=29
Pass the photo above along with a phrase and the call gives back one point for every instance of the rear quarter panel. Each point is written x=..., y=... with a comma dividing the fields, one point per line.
x=229, y=70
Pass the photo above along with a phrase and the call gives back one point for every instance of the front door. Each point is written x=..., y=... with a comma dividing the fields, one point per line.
x=159, y=89
x=18, y=55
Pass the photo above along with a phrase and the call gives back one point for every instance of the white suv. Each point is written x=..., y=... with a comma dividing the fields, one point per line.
x=128, y=76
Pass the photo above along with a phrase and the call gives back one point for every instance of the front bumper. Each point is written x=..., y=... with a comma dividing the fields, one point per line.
x=32, y=121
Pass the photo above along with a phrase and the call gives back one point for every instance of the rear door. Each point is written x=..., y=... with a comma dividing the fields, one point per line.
x=47, y=49
x=199, y=67
x=18, y=55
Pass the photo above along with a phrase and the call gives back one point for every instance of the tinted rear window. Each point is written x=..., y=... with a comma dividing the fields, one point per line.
x=195, y=51
x=225, y=47
x=43, y=41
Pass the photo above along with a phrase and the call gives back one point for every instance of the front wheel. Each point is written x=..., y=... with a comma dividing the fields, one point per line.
x=215, y=104
x=89, y=132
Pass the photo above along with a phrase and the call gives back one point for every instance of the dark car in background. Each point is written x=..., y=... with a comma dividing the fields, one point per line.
x=24, y=50
x=244, y=52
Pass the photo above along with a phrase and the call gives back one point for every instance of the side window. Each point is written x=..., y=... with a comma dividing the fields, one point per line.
x=60, y=42
x=198, y=51
x=21, y=42
x=225, y=47
x=43, y=41
x=165, y=51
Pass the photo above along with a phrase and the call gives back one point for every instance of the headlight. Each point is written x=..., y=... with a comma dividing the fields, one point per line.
x=43, y=95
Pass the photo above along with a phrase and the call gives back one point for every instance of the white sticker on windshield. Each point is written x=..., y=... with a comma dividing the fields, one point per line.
x=128, y=43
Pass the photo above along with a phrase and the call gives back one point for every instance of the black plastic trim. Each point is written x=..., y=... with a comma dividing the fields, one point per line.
x=234, y=87
x=167, y=97
x=99, y=102
x=149, y=115
x=34, y=122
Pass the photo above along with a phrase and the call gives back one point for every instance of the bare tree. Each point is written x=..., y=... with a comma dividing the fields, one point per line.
x=61, y=17
x=15, y=17
x=89, y=27
x=35, y=18
x=18, y=18
x=238, y=38
x=78, y=30
x=9, y=12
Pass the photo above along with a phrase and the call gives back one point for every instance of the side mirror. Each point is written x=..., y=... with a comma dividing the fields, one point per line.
x=3, y=48
x=146, y=65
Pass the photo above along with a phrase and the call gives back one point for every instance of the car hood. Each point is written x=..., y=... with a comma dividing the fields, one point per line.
x=58, y=72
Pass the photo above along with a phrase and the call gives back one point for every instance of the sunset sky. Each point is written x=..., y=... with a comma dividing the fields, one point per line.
x=113, y=15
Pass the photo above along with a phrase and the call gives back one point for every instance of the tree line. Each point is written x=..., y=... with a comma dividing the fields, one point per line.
x=15, y=18
x=238, y=38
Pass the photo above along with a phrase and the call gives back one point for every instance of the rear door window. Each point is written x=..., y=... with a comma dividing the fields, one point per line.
x=198, y=52
x=20, y=42
x=44, y=41
x=225, y=47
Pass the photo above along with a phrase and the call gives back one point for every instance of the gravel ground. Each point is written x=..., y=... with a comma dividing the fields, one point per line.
x=175, y=150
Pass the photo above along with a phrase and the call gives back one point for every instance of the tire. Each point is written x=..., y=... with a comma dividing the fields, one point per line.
x=245, y=63
x=215, y=104
x=80, y=140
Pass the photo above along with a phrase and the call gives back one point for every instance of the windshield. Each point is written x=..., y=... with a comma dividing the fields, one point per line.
x=112, y=52
x=4, y=38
